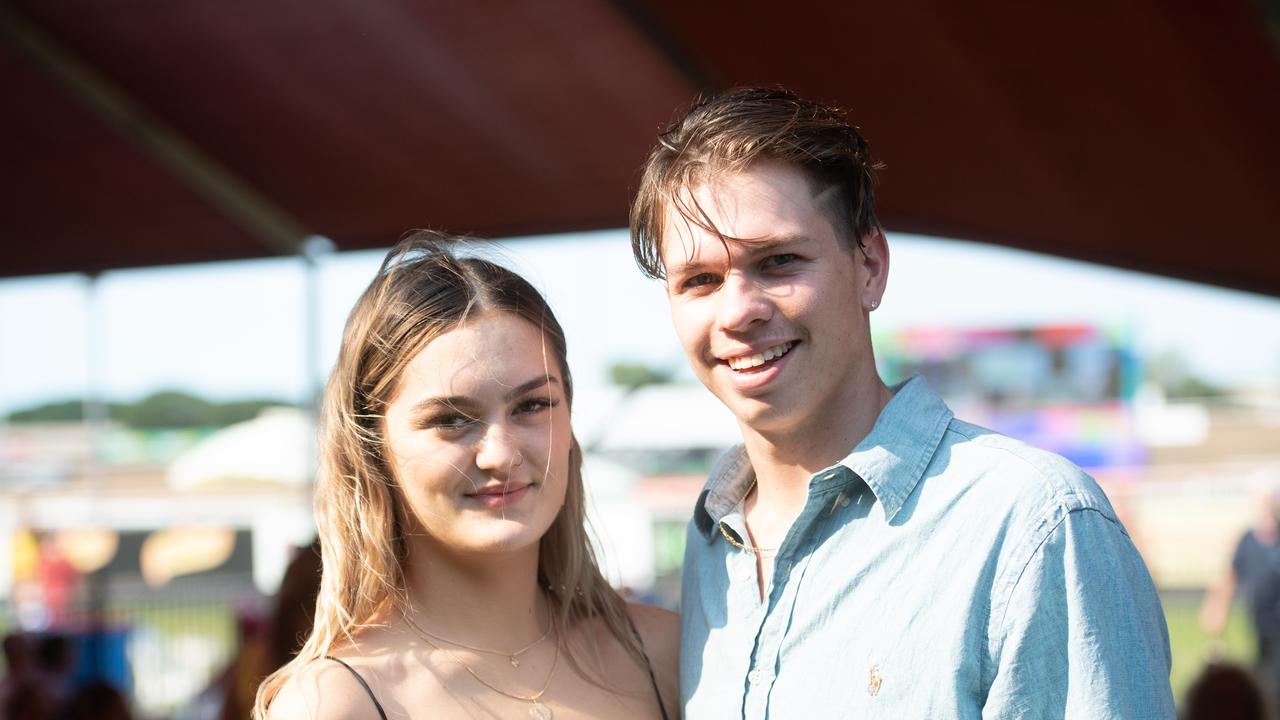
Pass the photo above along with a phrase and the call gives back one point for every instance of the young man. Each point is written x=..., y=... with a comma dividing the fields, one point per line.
x=863, y=553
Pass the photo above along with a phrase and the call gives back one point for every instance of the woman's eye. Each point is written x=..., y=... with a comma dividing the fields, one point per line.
x=449, y=422
x=535, y=405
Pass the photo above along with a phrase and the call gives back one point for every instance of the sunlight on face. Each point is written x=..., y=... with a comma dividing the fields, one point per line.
x=772, y=317
x=478, y=436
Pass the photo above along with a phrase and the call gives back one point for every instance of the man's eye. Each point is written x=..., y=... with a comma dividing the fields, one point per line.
x=779, y=260
x=699, y=280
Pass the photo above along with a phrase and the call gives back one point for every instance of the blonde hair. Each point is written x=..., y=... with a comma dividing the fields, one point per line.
x=421, y=291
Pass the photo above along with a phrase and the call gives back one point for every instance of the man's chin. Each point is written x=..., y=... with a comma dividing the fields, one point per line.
x=761, y=414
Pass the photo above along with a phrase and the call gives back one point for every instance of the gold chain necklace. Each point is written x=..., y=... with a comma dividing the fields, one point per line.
x=537, y=710
x=512, y=657
x=749, y=548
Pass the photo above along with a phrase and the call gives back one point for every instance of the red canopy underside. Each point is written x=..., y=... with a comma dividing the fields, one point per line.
x=1141, y=134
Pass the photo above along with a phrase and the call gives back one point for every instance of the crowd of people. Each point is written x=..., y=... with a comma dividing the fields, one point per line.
x=39, y=683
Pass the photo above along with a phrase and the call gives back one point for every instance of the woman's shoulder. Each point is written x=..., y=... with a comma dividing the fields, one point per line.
x=659, y=631
x=325, y=689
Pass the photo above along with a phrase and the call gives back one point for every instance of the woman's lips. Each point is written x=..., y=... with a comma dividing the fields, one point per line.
x=500, y=496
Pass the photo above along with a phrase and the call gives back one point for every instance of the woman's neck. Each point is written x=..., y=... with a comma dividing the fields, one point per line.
x=491, y=601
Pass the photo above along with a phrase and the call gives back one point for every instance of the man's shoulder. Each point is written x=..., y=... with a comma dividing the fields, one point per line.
x=1028, y=477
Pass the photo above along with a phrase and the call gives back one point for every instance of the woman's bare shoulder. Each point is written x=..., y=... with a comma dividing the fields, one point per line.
x=659, y=629
x=660, y=633
x=322, y=690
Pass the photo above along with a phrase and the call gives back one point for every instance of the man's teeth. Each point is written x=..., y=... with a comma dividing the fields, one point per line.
x=747, y=362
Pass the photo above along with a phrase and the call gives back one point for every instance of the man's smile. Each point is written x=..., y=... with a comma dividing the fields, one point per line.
x=747, y=362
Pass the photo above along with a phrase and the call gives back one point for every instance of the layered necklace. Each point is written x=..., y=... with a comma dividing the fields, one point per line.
x=537, y=710
x=512, y=657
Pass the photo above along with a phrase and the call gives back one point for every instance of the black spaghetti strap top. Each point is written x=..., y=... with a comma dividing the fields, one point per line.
x=363, y=684
x=662, y=708
x=648, y=666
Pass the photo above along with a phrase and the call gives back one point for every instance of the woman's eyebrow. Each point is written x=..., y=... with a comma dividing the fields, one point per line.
x=530, y=385
x=463, y=401
x=450, y=401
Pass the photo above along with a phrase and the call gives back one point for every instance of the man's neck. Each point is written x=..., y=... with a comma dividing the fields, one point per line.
x=784, y=461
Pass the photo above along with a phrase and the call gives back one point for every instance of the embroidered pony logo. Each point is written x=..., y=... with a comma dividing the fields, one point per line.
x=873, y=682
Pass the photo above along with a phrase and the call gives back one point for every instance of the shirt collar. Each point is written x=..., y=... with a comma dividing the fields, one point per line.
x=891, y=459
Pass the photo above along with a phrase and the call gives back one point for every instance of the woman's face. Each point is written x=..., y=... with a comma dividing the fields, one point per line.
x=478, y=436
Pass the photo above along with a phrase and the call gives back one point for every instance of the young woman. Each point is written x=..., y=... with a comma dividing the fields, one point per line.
x=457, y=576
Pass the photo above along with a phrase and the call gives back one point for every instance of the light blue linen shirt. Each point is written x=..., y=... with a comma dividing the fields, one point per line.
x=939, y=571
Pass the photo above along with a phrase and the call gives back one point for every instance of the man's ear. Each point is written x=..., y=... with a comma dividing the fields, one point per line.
x=874, y=261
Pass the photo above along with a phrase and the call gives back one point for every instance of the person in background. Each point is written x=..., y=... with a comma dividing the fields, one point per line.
x=55, y=666
x=96, y=700
x=22, y=694
x=1254, y=574
x=457, y=577
x=1223, y=691
x=271, y=645
x=864, y=553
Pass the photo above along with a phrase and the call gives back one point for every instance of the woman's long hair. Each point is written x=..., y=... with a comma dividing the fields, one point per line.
x=421, y=291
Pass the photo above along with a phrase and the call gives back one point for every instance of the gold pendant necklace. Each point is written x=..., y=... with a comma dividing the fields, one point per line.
x=537, y=710
x=512, y=657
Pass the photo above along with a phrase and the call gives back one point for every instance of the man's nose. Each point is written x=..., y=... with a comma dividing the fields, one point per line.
x=743, y=303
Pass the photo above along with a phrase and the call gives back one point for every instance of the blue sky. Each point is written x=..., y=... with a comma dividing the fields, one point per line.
x=237, y=329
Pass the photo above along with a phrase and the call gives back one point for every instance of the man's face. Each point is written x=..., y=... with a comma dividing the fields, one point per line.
x=773, y=319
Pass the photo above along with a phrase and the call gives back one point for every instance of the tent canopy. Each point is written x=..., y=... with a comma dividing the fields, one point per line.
x=1139, y=134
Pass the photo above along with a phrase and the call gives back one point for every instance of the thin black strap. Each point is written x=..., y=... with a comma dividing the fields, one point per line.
x=648, y=666
x=365, y=685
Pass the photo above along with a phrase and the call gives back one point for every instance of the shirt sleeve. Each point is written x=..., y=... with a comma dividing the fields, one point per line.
x=1238, y=559
x=1083, y=634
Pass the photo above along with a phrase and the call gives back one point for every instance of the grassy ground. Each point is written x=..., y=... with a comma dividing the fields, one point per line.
x=1191, y=649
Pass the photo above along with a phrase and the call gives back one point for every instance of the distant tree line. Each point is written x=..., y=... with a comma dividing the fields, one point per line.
x=163, y=410
x=634, y=375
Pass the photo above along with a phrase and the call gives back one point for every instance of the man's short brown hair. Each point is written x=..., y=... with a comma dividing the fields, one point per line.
x=732, y=130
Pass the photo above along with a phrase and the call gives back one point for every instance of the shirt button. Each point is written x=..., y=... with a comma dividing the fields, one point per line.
x=755, y=676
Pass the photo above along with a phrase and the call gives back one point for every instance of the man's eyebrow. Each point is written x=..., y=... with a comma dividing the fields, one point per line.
x=462, y=401
x=685, y=267
x=769, y=243
x=754, y=247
